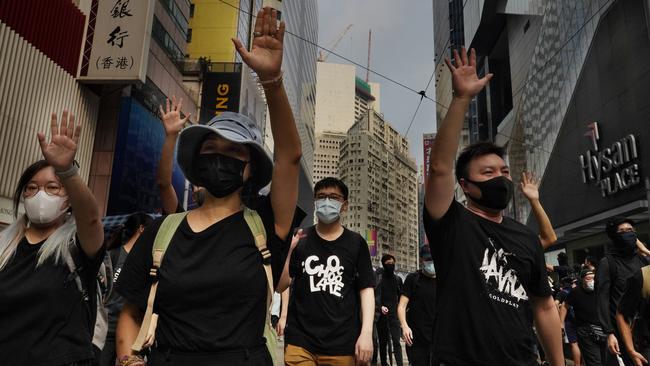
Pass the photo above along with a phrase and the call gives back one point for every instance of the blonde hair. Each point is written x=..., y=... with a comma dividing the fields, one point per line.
x=56, y=247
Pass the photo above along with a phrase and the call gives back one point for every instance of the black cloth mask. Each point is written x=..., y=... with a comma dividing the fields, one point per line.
x=496, y=193
x=221, y=175
x=389, y=269
x=625, y=244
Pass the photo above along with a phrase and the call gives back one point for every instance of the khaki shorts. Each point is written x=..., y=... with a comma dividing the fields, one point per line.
x=298, y=356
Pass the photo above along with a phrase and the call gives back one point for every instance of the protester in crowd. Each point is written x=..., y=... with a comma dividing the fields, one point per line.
x=387, y=293
x=416, y=311
x=127, y=236
x=570, y=332
x=590, y=263
x=621, y=262
x=562, y=269
x=173, y=124
x=530, y=188
x=591, y=339
x=634, y=308
x=490, y=269
x=331, y=308
x=49, y=259
x=212, y=304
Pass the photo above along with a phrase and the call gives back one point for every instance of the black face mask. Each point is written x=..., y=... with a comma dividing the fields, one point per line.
x=496, y=193
x=199, y=197
x=389, y=269
x=626, y=242
x=221, y=175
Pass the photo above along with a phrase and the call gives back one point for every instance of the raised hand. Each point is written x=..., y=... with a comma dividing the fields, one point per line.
x=62, y=148
x=265, y=57
x=465, y=81
x=171, y=116
x=529, y=186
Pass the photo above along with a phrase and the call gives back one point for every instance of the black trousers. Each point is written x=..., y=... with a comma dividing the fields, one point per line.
x=593, y=352
x=388, y=325
x=107, y=357
x=420, y=354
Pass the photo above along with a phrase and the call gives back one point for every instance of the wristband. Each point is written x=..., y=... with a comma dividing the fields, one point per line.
x=70, y=172
x=130, y=361
x=272, y=82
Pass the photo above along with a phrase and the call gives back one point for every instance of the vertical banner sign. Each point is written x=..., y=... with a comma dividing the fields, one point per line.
x=427, y=141
x=371, y=239
x=220, y=94
x=117, y=41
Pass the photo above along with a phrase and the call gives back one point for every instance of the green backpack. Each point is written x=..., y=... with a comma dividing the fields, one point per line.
x=163, y=237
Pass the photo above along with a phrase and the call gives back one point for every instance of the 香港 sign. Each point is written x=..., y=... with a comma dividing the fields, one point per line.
x=116, y=48
x=614, y=168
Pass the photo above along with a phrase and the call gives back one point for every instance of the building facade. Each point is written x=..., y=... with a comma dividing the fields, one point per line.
x=382, y=179
x=571, y=107
x=327, y=155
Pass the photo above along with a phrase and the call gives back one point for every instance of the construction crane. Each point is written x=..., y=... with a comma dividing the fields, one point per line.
x=323, y=56
x=368, y=64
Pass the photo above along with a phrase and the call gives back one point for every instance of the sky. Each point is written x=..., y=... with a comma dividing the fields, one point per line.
x=402, y=49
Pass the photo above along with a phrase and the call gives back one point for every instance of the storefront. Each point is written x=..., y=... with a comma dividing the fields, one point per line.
x=600, y=163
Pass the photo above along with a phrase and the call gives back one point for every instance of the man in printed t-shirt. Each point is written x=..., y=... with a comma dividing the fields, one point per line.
x=332, y=298
x=491, y=274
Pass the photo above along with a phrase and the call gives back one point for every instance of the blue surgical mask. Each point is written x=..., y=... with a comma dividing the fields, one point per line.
x=429, y=269
x=328, y=210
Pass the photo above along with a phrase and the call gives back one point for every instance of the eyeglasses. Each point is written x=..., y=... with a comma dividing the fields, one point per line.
x=51, y=189
x=332, y=196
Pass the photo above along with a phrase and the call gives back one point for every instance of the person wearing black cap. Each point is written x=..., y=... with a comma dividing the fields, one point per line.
x=213, y=286
x=387, y=294
x=591, y=338
x=620, y=263
x=416, y=311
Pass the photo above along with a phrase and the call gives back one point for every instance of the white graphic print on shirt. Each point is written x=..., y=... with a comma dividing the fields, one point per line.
x=501, y=281
x=324, y=278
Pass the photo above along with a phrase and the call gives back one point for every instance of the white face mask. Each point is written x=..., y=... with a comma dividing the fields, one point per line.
x=328, y=210
x=42, y=208
x=589, y=285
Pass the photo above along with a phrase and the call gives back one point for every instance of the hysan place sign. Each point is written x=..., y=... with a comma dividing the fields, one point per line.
x=614, y=168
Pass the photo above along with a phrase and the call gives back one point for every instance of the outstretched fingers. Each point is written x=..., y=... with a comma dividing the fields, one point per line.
x=243, y=52
x=54, y=124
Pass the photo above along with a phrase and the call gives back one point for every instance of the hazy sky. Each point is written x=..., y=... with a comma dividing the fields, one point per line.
x=402, y=49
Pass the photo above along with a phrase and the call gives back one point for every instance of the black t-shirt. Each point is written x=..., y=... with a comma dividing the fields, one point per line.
x=324, y=308
x=212, y=286
x=43, y=318
x=486, y=272
x=389, y=292
x=115, y=302
x=633, y=305
x=562, y=271
x=584, y=306
x=420, y=314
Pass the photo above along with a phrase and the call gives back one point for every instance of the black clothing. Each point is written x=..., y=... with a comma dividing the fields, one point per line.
x=562, y=271
x=44, y=319
x=114, y=305
x=421, y=292
x=584, y=306
x=611, y=279
x=387, y=292
x=634, y=306
x=486, y=272
x=420, y=355
x=258, y=356
x=388, y=326
x=594, y=352
x=212, y=286
x=325, y=309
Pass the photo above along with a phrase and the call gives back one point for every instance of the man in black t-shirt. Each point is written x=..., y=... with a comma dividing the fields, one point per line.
x=490, y=269
x=591, y=339
x=387, y=292
x=330, y=313
x=416, y=311
x=634, y=307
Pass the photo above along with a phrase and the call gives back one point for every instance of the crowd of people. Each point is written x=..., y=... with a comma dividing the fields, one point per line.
x=217, y=285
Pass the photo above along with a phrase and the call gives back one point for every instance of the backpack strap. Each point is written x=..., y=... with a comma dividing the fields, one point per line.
x=645, y=290
x=160, y=244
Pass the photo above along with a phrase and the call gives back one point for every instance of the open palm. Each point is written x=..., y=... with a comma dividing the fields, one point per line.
x=529, y=186
x=265, y=57
x=62, y=148
x=171, y=116
x=465, y=80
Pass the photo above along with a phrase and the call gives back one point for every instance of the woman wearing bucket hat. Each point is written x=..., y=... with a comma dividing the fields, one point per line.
x=211, y=303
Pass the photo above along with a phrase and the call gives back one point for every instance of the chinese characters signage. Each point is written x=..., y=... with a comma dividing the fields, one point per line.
x=117, y=41
x=220, y=94
x=427, y=142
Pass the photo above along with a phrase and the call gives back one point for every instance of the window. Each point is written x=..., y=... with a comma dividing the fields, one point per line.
x=191, y=10
x=189, y=35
